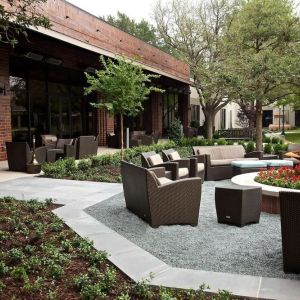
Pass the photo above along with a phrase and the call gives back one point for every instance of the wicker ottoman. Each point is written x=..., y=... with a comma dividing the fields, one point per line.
x=237, y=204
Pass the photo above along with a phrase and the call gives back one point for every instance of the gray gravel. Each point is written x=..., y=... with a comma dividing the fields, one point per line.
x=253, y=250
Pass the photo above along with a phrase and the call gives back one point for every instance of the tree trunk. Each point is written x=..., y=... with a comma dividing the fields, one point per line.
x=258, y=123
x=122, y=137
x=209, y=122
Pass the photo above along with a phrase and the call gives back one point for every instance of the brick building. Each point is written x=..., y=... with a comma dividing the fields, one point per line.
x=42, y=79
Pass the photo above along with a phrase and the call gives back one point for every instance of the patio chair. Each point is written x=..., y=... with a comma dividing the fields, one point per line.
x=19, y=155
x=82, y=147
x=158, y=200
x=58, y=150
x=194, y=163
x=153, y=160
x=290, y=230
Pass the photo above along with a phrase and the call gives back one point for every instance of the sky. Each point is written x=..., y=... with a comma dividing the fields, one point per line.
x=135, y=9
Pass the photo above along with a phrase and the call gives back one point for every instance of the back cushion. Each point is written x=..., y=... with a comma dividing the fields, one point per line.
x=214, y=152
x=234, y=151
x=174, y=155
x=155, y=160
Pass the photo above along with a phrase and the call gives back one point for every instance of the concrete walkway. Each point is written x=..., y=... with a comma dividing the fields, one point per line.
x=137, y=263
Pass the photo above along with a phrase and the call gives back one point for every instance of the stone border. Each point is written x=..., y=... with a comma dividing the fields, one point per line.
x=134, y=261
x=248, y=179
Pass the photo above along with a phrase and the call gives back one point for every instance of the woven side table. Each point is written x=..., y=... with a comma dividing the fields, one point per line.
x=238, y=205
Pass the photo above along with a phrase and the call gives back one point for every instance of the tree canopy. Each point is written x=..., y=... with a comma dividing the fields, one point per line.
x=263, y=52
x=142, y=30
x=196, y=29
x=15, y=20
x=124, y=87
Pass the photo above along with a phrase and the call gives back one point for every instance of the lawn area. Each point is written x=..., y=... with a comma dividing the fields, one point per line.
x=41, y=258
x=293, y=136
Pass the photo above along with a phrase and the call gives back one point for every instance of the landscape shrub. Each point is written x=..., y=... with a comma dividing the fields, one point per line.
x=221, y=141
x=268, y=148
x=175, y=131
x=250, y=147
x=277, y=148
x=266, y=139
x=275, y=140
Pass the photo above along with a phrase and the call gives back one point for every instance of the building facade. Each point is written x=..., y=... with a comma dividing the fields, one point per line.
x=42, y=79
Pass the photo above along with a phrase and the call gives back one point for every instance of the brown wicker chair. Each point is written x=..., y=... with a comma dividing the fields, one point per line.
x=58, y=150
x=290, y=230
x=196, y=168
x=82, y=147
x=19, y=155
x=172, y=169
x=174, y=202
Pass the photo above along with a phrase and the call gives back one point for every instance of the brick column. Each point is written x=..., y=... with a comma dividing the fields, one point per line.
x=5, y=113
x=105, y=124
x=156, y=112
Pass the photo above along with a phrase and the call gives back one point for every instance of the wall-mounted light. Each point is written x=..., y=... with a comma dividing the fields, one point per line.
x=34, y=56
x=53, y=61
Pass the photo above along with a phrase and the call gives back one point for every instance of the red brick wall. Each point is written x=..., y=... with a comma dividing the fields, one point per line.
x=76, y=23
x=5, y=115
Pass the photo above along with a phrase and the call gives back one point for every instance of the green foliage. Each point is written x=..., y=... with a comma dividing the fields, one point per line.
x=15, y=255
x=175, y=131
x=84, y=164
x=250, y=147
x=124, y=85
x=268, y=148
x=24, y=15
x=142, y=30
x=267, y=139
x=275, y=140
x=277, y=148
x=221, y=141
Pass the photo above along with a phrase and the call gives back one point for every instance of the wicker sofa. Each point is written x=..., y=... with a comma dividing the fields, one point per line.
x=158, y=200
x=218, y=159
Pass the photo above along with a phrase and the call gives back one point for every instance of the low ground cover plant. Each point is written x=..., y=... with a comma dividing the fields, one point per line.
x=283, y=177
x=41, y=258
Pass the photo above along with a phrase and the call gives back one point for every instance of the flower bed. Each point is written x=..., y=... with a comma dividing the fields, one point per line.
x=41, y=258
x=284, y=177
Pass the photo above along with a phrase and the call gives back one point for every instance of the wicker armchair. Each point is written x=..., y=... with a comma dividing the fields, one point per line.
x=19, y=155
x=82, y=147
x=290, y=230
x=172, y=170
x=193, y=163
x=174, y=202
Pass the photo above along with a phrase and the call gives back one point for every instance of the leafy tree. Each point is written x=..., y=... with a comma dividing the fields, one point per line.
x=124, y=87
x=16, y=16
x=142, y=30
x=264, y=46
x=196, y=30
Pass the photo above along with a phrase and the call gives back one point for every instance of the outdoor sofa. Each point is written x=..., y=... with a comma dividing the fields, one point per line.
x=218, y=159
x=196, y=162
x=82, y=147
x=159, y=200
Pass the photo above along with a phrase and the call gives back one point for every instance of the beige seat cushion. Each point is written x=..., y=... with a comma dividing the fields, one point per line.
x=183, y=172
x=174, y=155
x=248, y=158
x=155, y=160
x=200, y=166
x=221, y=162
